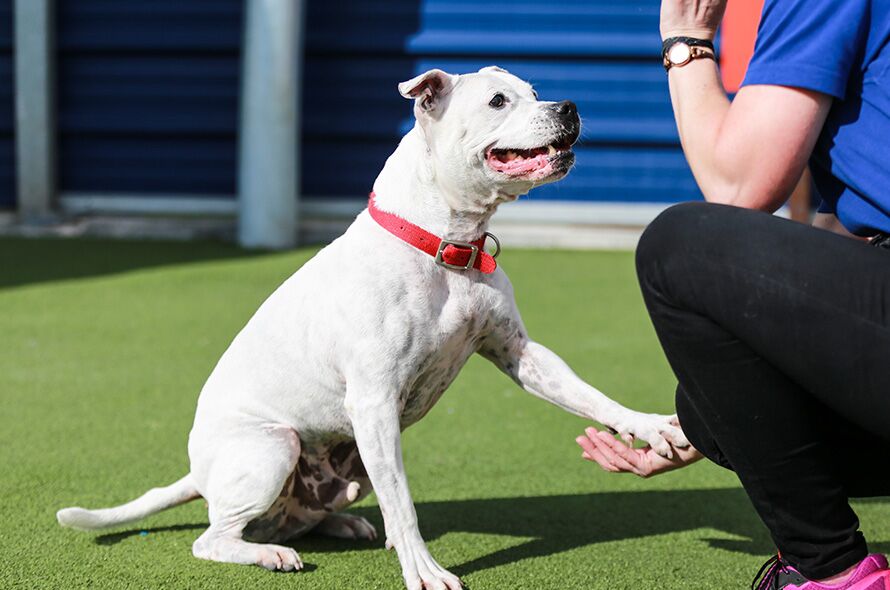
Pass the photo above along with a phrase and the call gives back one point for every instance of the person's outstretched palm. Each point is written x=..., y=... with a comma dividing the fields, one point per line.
x=617, y=457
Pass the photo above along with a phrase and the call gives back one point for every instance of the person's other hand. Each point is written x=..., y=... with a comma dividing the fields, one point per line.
x=617, y=457
x=691, y=18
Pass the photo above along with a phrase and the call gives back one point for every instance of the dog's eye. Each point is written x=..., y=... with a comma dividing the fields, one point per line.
x=497, y=101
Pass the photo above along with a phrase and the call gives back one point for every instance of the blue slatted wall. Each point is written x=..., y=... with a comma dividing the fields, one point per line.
x=602, y=54
x=148, y=95
x=7, y=114
x=148, y=90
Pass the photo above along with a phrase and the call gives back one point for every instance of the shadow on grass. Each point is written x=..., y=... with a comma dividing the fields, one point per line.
x=115, y=538
x=555, y=524
x=25, y=261
x=562, y=523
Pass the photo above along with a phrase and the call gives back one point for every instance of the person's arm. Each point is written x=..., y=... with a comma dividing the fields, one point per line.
x=751, y=152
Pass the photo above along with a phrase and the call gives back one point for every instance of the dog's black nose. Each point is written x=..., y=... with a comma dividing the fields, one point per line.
x=567, y=109
x=565, y=116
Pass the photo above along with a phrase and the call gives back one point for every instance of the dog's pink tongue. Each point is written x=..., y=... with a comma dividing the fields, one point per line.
x=520, y=165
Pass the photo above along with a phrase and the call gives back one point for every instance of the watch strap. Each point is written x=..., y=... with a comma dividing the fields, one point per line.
x=691, y=41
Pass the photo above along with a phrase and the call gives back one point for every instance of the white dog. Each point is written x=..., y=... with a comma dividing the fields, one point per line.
x=303, y=414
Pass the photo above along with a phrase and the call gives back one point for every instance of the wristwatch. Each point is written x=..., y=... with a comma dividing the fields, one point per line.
x=679, y=51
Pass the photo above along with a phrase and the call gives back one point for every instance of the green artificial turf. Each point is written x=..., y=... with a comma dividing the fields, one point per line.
x=105, y=345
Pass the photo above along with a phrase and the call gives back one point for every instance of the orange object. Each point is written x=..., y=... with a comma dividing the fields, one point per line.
x=737, y=37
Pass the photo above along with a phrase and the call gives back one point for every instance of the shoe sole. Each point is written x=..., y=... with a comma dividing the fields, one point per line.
x=874, y=581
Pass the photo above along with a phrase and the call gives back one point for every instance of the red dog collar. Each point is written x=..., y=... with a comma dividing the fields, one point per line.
x=448, y=253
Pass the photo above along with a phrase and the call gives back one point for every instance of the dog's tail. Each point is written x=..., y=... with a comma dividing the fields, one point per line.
x=150, y=502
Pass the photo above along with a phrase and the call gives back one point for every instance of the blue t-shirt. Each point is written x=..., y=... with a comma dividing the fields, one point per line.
x=840, y=48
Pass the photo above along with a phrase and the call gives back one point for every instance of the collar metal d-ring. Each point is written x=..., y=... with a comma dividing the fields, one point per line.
x=497, y=244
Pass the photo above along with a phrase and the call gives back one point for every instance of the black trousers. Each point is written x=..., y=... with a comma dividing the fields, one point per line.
x=779, y=335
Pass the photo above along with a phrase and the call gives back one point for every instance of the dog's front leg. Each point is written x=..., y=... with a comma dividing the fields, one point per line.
x=375, y=423
x=544, y=374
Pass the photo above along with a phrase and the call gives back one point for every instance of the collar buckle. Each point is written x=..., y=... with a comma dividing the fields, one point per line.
x=497, y=244
x=474, y=252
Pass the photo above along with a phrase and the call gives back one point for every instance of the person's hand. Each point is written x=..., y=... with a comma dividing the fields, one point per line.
x=617, y=457
x=691, y=18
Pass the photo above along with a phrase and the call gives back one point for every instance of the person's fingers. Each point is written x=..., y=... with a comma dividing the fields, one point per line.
x=611, y=449
x=585, y=444
x=593, y=433
x=629, y=453
x=634, y=457
x=593, y=454
x=604, y=462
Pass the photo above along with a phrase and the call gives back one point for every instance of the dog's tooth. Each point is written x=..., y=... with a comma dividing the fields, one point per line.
x=511, y=155
x=551, y=151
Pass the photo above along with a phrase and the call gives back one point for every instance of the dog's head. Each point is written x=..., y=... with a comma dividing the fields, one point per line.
x=489, y=137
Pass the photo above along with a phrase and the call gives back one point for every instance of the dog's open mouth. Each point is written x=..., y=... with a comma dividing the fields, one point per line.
x=535, y=163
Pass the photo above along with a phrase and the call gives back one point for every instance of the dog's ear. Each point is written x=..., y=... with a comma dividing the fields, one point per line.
x=428, y=88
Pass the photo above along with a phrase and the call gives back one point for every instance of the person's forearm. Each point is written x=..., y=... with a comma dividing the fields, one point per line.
x=720, y=157
x=700, y=108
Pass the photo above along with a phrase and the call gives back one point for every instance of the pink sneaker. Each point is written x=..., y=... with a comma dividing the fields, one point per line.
x=871, y=574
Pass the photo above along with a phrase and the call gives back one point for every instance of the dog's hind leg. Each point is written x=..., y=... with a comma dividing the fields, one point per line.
x=346, y=526
x=242, y=483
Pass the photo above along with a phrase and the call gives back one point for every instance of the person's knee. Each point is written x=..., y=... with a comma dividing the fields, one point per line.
x=671, y=228
x=670, y=235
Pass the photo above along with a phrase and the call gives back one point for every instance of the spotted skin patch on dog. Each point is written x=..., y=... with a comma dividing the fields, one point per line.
x=437, y=372
x=504, y=355
x=316, y=488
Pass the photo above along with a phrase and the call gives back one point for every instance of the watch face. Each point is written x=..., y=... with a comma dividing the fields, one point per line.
x=679, y=54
